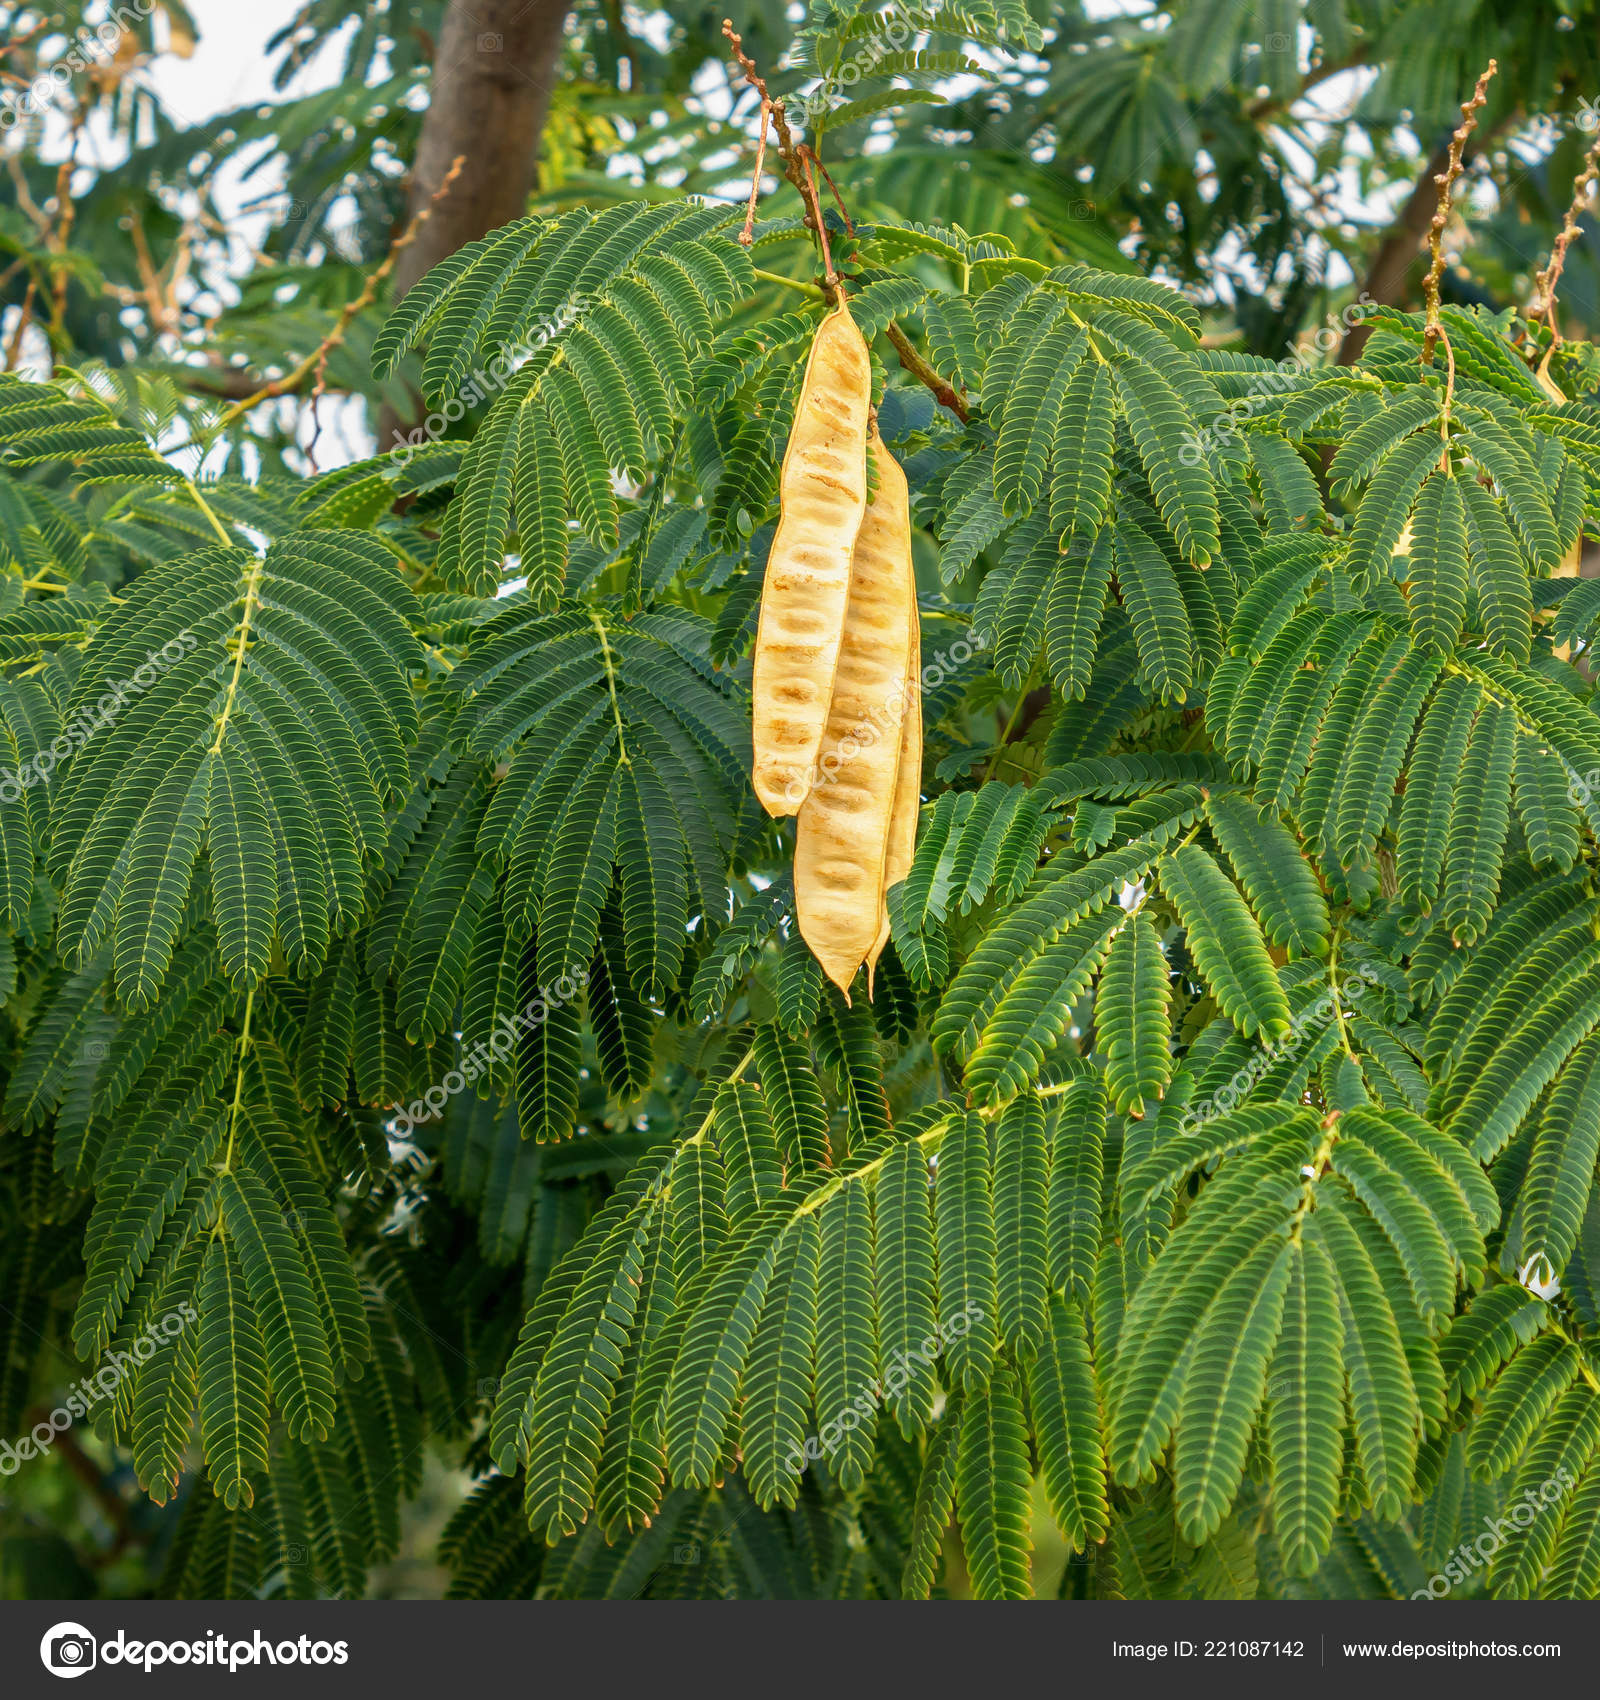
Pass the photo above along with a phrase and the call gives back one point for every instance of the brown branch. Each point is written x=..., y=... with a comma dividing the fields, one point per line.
x=24, y=318
x=791, y=155
x=219, y=383
x=797, y=162
x=1446, y=182
x=318, y=358
x=829, y=276
x=1270, y=105
x=61, y=274
x=89, y=1474
x=617, y=25
x=39, y=219
x=919, y=369
x=1544, y=283
x=844, y=211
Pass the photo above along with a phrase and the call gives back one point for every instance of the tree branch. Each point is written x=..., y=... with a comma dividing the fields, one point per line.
x=919, y=369
x=1385, y=282
x=797, y=162
x=1544, y=285
x=1441, y=216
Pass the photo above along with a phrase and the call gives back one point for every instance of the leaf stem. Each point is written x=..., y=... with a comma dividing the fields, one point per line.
x=840, y=1182
x=205, y=507
x=1584, y=1367
x=705, y=1127
x=810, y=289
x=252, y=586
x=1010, y=727
x=1333, y=994
x=611, y=682
x=238, y=1085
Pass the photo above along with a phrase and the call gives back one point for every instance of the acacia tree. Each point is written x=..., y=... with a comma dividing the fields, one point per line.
x=411, y=1049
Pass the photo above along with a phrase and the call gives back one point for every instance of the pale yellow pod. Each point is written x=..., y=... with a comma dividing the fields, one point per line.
x=902, y=844
x=843, y=831
x=823, y=494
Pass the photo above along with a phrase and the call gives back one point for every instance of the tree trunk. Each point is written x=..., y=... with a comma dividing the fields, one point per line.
x=493, y=75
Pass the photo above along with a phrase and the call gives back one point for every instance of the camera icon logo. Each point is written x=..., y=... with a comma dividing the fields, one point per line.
x=68, y=1649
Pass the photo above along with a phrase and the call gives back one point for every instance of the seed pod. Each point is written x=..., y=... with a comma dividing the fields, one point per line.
x=843, y=832
x=908, y=783
x=823, y=492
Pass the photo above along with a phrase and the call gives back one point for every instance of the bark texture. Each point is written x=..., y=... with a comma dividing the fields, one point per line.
x=494, y=72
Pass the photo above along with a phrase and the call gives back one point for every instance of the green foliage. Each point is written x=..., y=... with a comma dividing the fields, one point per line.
x=408, y=1032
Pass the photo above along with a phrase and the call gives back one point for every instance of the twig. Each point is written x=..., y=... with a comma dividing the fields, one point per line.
x=797, y=162
x=39, y=219
x=90, y=1475
x=618, y=27
x=318, y=358
x=1544, y=283
x=844, y=211
x=829, y=276
x=61, y=274
x=747, y=236
x=24, y=318
x=318, y=390
x=1446, y=181
x=790, y=153
x=1267, y=108
x=912, y=362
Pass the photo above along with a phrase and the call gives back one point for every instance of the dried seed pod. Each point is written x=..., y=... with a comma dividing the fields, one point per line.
x=843, y=833
x=902, y=844
x=823, y=492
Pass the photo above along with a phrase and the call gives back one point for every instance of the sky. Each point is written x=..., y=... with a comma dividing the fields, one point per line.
x=229, y=68
x=229, y=65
